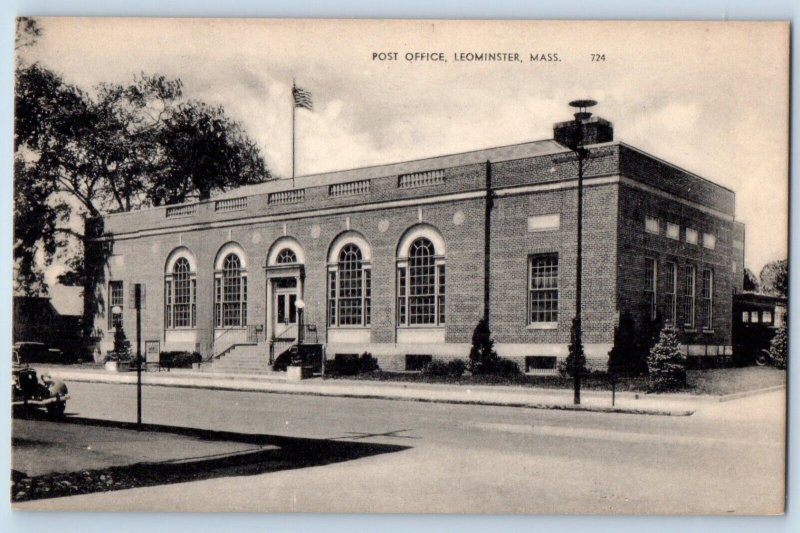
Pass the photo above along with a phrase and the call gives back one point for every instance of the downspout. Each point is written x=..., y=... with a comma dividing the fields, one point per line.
x=487, y=242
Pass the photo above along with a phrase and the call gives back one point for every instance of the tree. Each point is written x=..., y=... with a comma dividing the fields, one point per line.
x=122, y=346
x=779, y=345
x=206, y=151
x=775, y=278
x=750, y=281
x=121, y=148
x=667, y=363
x=483, y=358
x=624, y=359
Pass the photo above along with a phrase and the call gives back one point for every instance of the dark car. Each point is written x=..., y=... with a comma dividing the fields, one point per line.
x=37, y=352
x=30, y=391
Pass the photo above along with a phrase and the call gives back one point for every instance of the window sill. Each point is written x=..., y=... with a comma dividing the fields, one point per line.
x=349, y=327
x=710, y=331
x=689, y=330
x=542, y=325
x=421, y=326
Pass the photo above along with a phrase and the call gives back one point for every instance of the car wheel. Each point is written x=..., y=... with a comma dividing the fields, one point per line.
x=56, y=410
x=762, y=359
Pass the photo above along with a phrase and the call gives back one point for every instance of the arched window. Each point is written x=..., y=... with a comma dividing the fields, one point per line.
x=421, y=286
x=286, y=257
x=231, y=293
x=180, y=294
x=349, y=289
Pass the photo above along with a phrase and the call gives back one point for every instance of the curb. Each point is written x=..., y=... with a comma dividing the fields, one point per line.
x=745, y=394
x=252, y=387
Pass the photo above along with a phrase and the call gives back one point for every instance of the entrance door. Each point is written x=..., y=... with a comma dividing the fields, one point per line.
x=284, y=309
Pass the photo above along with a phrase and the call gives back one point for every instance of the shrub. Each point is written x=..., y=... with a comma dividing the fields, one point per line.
x=437, y=367
x=667, y=364
x=456, y=367
x=506, y=367
x=482, y=356
x=624, y=358
x=367, y=363
x=576, y=360
x=778, y=347
x=122, y=347
x=351, y=364
x=179, y=359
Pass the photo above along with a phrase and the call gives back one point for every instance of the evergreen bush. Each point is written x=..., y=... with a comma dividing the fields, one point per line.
x=624, y=358
x=576, y=360
x=667, y=364
x=482, y=356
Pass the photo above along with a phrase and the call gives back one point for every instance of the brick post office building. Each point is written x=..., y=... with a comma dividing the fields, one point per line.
x=402, y=260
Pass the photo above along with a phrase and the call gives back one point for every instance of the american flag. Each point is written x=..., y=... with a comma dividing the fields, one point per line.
x=302, y=98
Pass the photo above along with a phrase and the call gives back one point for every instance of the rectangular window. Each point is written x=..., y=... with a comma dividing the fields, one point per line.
x=673, y=231
x=670, y=282
x=709, y=241
x=441, y=294
x=691, y=236
x=367, y=296
x=194, y=303
x=115, y=299
x=218, y=301
x=766, y=317
x=332, y=298
x=745, y=316
x=168, y=303
x=707, y=292
x=416, y=362
x=651, y=225
x=689, y=280
x=401, y=295
x=544, y=222
x=543, y=288
x=650, y=277
x=754, y=317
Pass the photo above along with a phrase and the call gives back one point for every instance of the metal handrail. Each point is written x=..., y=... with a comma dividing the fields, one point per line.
x=253, y=336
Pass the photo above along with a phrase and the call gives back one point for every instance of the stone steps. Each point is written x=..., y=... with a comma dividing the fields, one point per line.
x=244, y=359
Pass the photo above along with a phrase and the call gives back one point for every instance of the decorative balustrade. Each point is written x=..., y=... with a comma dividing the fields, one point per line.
x=351, y=188
x=420, y=179
x=231, y=204
x=186, y=210
x=292, y=196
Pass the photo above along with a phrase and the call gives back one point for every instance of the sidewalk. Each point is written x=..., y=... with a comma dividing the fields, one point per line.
x=599, y=401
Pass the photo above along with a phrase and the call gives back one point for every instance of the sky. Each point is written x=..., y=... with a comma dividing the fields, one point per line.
x=712, y=98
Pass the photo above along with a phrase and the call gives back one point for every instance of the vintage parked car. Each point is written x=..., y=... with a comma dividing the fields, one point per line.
x=29, y=391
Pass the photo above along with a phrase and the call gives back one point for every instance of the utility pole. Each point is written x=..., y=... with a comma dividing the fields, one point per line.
x=137, y=302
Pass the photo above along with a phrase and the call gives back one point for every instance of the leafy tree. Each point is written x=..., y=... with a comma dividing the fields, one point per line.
x=750, y=281
x=775, y=278
x=624, y=359
x=207, y=151
x=667, y=363
x=117, y=148
x=779, y=345
x=483, y=358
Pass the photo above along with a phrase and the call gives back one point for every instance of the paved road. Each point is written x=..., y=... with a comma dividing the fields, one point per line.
x=727, y=458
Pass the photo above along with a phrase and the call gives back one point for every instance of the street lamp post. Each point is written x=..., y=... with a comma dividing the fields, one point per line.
x=577, y=146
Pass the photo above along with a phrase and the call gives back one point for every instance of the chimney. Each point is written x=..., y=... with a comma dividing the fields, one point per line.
x=584, y=129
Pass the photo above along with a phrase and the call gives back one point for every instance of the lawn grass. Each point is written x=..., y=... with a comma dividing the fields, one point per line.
x=719, y=381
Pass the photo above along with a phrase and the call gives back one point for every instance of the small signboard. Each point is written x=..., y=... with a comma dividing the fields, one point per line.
x=152, y=352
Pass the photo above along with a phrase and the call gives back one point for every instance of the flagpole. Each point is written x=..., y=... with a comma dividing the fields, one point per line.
x=293, y=108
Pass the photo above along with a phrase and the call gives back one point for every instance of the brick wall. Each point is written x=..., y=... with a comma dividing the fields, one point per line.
x=635, y=245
